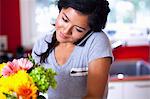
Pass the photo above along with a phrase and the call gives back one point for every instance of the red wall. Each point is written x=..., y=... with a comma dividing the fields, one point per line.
x=132, y=52
x=10, y=23
x=0, y=16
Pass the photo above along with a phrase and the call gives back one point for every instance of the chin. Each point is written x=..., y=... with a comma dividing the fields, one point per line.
x=61, y=40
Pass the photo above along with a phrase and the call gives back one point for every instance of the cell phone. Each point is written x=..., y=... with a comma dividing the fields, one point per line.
x=82, y=41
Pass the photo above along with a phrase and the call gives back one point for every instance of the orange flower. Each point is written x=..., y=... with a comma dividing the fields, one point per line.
x=27, y=91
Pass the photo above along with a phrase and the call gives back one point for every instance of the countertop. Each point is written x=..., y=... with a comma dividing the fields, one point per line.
x=130, y=78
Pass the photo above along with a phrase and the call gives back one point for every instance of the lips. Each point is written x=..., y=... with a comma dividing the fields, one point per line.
x=62, y=35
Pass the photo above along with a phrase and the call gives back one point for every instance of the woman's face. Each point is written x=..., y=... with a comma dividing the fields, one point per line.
x=71, y=25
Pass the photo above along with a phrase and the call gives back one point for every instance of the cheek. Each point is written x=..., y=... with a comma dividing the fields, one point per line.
x=57, y=25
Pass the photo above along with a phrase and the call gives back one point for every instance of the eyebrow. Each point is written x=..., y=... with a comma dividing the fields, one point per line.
x=75, y=25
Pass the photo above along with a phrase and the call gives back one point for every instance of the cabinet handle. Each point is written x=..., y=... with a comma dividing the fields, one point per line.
x=143, y=86
x=111, y=87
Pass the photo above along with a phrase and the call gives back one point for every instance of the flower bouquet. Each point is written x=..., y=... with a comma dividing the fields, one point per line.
x=23, y=79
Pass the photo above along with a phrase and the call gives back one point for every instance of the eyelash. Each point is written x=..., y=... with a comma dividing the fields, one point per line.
x=65, y=20
x=79, y=30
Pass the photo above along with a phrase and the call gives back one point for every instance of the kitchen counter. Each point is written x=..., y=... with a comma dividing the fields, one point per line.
x=130, y=78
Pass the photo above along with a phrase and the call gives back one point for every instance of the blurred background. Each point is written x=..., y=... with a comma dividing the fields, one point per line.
x=22, y=22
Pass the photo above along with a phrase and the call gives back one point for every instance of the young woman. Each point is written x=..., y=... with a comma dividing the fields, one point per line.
x=78, y=50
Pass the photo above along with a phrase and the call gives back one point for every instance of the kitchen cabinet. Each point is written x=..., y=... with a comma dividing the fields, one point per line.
x=136, y=90
x=129, y=90
x=115, y=90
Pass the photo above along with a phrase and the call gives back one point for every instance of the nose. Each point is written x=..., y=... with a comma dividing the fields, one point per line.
x=68, y=29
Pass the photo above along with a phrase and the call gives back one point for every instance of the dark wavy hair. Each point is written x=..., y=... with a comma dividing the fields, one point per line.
x=97, y=11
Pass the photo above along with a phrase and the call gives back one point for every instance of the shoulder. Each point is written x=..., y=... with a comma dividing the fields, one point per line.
x=100, y=35
x=41, y=44
x=47, y=37
x=44, y=40
x=98, y=38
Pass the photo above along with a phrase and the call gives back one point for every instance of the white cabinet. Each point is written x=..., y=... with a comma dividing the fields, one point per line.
x=137, y=90
x=129, y=90
x=115, y=90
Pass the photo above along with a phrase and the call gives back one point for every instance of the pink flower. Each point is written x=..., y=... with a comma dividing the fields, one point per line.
x=24, y=63
x=9, y=69
x=6, y=71
x=13, y=66
x=16, y=65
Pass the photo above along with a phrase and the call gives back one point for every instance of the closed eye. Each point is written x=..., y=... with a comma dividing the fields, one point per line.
x=65, y=20
x=79, y=30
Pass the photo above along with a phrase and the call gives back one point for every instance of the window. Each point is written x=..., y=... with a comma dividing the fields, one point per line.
x=130, y=11
x=129, y=21
x=45, y=14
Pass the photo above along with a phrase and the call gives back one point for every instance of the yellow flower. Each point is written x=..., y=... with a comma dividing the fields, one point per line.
x=21, y=83
x=2, y=96
x=24, y=85
x=2, y=66
x=5, y=90
x=21, y=78
x=5, y=85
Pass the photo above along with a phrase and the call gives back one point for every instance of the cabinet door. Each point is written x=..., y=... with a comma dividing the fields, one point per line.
x=115, y=90
x=136, y=90
x=148, y=88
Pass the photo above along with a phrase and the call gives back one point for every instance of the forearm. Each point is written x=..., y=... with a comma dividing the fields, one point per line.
x=97, y=81
x=92, y=97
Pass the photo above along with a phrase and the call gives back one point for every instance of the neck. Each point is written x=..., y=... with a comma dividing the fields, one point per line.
x=66, y=45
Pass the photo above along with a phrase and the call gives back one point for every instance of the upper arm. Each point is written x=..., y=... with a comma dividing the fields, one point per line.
x=99, y=60
x=97, y=77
